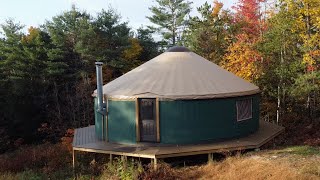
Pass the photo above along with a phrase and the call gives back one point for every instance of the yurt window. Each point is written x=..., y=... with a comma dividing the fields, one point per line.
x=244, y=109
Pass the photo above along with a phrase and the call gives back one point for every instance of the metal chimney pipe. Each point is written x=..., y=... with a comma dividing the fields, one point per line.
x=101, y=105
x=99, y=87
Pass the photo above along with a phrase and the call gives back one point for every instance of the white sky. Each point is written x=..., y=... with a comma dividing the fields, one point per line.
x=35, y=12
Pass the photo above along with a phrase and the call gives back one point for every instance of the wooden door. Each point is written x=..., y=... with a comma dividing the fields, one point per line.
x=147, y=120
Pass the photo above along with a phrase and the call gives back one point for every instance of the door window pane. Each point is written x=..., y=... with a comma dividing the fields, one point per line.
x=147, y=109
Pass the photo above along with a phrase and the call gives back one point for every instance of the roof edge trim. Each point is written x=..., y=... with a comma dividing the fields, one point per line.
x=184, y=97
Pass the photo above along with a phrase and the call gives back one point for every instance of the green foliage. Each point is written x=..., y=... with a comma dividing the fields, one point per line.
x=171, y=17
x=22, y=63
x=300, y=150
x=49, y=73
x=209, y=34
x=290, y=74
x=149, y=46
x=122, y=169
x=305, y=84
x=24, y=175
x=281, y=53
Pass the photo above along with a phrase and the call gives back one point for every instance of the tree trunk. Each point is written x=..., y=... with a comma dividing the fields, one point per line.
x=279, y=87
x=173, y=37
x=56, y=99
x=278, y=104
x=309, y=105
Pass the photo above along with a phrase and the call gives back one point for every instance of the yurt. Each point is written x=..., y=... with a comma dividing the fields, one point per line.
x=177, y=97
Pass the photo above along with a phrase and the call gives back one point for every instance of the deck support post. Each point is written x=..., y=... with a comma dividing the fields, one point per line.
x=124, y=158
x=110, y=158
x=210, y=158
x=73, y=162
x=124, y=161
x=154, y=162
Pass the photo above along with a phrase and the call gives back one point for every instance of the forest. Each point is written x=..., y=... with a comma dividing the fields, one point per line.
x=47, y=74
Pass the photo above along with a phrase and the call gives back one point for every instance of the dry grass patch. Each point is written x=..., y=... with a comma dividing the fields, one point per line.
x=252, y=168
x=304, y=159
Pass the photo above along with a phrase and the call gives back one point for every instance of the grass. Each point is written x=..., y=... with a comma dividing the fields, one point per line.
x=122, y=169
x=301, y=150
x=25, y=175
x=299, y=162
x=53, y=162
x=246, y=168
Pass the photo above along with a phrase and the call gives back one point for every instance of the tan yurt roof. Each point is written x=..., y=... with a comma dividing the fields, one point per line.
x=178, y=74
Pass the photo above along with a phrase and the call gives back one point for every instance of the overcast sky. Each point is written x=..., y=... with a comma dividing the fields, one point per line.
x=35, y=12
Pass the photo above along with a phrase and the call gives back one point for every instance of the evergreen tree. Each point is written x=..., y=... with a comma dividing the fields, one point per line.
x=47, y=75
x=209, y=34
x=170, y=16
x=23, y=59
x=149, y=46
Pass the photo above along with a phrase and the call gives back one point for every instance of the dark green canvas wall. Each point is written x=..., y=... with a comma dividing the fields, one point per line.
x=193, y=121
x=122, y=121
x=183, y=121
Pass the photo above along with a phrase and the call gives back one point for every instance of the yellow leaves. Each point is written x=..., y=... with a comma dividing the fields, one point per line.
x=134, y=51
x=242, y=59
x=308, y=60
x=306, y=15
x=33, y=33
x=217, y=6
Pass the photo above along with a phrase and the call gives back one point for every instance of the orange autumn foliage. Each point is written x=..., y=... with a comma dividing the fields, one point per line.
x=67, y=139
x=217, y=6
x=242, y=59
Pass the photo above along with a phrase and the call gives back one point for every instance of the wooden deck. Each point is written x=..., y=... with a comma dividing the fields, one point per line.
x=85, y=140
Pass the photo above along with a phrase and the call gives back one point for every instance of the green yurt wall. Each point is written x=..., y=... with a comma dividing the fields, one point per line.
x=182, y=121
x=195, y=121
x=122, y=121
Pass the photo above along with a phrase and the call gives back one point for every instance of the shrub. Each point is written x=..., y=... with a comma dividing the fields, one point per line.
x=46, y=157
x=25, y=175
x=122, y=169
x=163, y=171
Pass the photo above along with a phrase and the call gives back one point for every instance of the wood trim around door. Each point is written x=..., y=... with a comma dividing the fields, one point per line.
x=137, y=121
x=158, y=120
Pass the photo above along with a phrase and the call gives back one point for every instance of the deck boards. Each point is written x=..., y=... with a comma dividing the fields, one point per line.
x=85, y=140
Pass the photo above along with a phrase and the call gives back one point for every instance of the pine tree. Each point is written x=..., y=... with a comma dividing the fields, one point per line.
x=150, y=47
x=170, y=16
x=208, y=35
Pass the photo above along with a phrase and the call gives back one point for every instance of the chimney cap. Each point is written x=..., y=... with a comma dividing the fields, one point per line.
x=99, y=63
